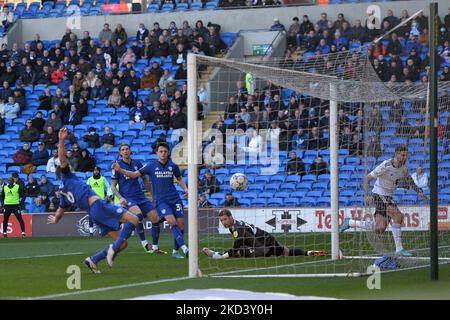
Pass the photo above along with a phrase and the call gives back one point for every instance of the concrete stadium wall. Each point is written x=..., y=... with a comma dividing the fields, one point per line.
x=230, y=20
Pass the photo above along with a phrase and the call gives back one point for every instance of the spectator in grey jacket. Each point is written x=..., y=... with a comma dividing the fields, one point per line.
x=105, y=34
x=54, y=121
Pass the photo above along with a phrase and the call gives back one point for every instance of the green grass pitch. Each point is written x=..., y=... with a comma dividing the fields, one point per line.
x=36, y=267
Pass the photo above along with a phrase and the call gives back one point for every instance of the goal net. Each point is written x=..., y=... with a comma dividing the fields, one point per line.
x=296, y=127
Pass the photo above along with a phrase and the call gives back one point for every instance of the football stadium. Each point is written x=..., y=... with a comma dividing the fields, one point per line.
x=224, y=149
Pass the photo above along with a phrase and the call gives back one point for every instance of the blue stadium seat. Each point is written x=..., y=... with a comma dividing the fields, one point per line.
x=309, y=177
x=292, y=202
x=259, y=202
x=289, y=187
x=266, y=195
x=293, y=178
x=196, y=6
x=275, y=202
x=262, y=179
x=272, y=186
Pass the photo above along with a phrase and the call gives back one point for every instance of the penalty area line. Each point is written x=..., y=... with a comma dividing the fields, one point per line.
x=124, y=286
x=43, y=256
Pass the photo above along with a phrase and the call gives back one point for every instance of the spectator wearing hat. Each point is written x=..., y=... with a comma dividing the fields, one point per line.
x=277, y=26
x=108, y=139
x=92, y=138
x=29, y=133
x=293, y=31
x=40, y=155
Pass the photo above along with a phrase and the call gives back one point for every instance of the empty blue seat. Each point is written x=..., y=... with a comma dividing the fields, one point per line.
x=290, y=187
x=259, y=202
x=275, y=202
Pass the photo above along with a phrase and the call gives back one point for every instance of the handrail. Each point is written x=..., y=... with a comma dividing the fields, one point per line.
x=271, y=45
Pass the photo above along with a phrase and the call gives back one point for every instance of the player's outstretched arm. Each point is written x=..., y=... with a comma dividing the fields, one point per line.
x=54, y=219
x=130, y=174
x=215, y=255
x=412, y=184
x=63, y=134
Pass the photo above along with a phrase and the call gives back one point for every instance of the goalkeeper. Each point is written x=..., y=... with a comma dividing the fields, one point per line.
x=252, y=242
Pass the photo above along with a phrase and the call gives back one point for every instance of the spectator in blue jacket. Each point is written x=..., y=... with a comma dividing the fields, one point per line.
x=40, y=156
x=139, y=114
x=37, y=206
x=277, y=26
x=46, y=186
x=98, y=92
x=299, y=140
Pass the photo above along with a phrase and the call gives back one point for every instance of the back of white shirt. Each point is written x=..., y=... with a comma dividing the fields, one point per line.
x=388, y=178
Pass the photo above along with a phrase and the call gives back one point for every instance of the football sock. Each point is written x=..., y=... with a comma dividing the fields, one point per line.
x=366, y=225
x=297, y=252
x=397, y=234
x=175, y=244
x=100, y=255
x=124, y=234
x=177, y=235
x=156, y=229
x=140, y=232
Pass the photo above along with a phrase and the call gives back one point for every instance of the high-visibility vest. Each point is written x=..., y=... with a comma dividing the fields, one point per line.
x=117, y=199
x=98, y=185
x=12, y=196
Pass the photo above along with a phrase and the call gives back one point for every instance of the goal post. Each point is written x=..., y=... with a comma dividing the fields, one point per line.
x=294, y=209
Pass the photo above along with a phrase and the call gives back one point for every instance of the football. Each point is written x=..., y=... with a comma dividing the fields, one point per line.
x=238, y=181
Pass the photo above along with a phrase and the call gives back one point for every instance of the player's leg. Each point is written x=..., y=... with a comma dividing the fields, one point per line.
x=397, y=219
x=91, y=226
x=180, y=223
x=377, y=225
x=92, y=261
x=156, y=228
x=179, y=216
x=165, y=211
x=6, y=215
x=136, y=210
x=19, y=218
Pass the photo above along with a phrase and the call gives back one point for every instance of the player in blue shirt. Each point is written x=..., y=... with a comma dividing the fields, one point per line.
x=167, y=201
x=131, y=197
x=108, y=217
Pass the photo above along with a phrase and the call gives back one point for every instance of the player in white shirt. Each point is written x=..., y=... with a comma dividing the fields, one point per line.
x=388, y=175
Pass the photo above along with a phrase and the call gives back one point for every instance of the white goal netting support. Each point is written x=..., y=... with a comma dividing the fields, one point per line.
x=347, y=85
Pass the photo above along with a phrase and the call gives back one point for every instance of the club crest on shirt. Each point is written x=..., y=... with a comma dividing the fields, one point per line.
x=170, y=168
x=235, y=234
x=163, y=211
x=119, y=210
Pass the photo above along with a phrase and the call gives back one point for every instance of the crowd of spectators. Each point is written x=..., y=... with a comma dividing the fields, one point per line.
x=85, y=69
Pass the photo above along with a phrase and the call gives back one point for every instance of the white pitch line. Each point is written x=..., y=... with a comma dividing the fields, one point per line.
x=43, y=256
x=124, y=286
